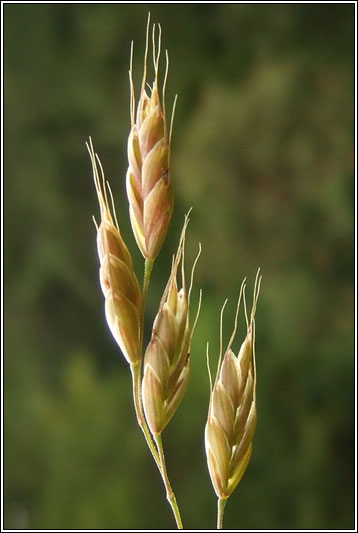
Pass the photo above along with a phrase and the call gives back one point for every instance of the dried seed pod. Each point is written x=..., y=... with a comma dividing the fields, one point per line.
x=166, y=361
x=232, y=411
x=123, y=301
x=148, y=181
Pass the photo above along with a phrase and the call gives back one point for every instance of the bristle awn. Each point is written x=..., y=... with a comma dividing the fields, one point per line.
x=131, y=87
x=112, y=204
x=172, y=120
x=164, y=86
x=208, y=368
x=221, y=339
x=193, y=271
x=245, y=307
x=197, y=313
x=95, y=222
x=146, y=53
x=242, y=288
x=256, y=293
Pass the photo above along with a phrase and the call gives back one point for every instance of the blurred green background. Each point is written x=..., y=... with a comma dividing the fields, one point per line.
x=263, y=151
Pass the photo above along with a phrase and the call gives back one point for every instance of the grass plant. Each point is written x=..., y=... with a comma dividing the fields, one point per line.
x=160, y=372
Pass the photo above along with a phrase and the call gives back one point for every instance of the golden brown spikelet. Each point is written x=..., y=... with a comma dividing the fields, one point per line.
x=232, y=411
x=166, y=362
x=119, y=284
x=148, y=180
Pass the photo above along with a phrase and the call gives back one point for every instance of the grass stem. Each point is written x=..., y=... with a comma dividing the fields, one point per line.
x=148, y=267
x=136, y=372
x=157, y=447
x=170, y=494
x=221, y=508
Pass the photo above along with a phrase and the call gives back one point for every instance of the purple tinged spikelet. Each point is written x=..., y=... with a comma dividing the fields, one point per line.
x=232, y=410
x=166, y=361
x=123, y=300
x=148, y=181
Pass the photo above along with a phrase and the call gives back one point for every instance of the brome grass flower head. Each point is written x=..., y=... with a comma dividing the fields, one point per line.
x=232, y=409
x=118, y=281
x=166, y=361
x=160, y=376
x=148, y=180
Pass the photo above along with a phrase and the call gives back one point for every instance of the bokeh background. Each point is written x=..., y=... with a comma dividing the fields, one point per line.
x=263, y=152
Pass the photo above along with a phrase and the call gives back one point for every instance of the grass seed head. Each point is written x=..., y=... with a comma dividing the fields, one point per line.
x=166, y=362
x=118, y=281
x=148, y=180
x=232, y=410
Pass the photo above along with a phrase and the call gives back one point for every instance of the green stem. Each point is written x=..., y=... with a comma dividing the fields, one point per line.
x=148, y=266
x=157, y=448
x=136, y=372
x=221, y=507
x=170, y=494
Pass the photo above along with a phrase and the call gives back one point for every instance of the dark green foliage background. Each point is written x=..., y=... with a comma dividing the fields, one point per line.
x=263, y=151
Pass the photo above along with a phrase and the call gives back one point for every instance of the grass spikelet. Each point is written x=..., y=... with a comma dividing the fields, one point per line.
x=123, y=301
x=148, y=180
x=232, y=409
x=166, y=362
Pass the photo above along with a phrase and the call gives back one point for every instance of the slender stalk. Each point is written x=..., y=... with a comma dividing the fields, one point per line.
x=148, y=266
x=136, y=371
x=157, y=448
x=221, y=507
x=170, y=494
